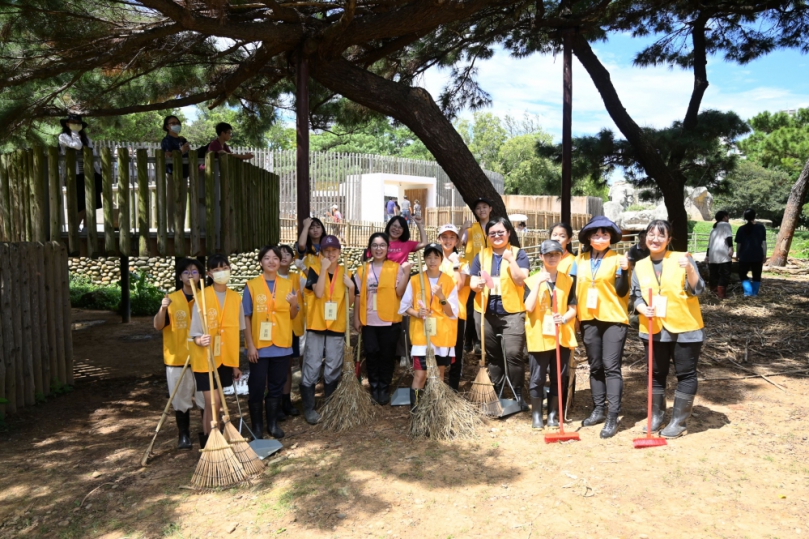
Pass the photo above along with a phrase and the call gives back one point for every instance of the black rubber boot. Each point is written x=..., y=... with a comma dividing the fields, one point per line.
x=383, y=394
x=536, y=413
x=658, y=411
x=680, y=412
x=183, y=427
x=415, y=395
x=523, y=405
x=272, y=405
x=256, y=419
x=281, y=416
x=610, y=426
x=308, y=399
x=203, y=439
x=596, y=416
x=330, y=387
x=553, y=411
x=287, y=407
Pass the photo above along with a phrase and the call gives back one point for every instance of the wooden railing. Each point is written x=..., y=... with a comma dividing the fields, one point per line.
x=228, y=206
x=541, y=220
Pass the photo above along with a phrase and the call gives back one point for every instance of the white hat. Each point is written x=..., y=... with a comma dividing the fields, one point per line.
x=449, y=228
x=335, y=207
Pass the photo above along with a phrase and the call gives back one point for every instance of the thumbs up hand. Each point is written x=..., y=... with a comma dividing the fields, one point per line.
x=164, y=304
x=624, y=262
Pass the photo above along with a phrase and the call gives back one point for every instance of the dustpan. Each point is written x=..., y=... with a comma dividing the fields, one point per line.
x=263, y=448
x=508, y=406
x=401, y=395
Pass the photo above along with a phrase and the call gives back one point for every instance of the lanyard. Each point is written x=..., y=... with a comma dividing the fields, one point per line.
x=595, y=264
x=271, y=297
x=429, y=290
x=221, y=316
x=374, y=272
x=658, y=276
x=332, y=281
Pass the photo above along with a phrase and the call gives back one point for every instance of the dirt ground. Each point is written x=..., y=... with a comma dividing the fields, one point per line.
x=70, y=467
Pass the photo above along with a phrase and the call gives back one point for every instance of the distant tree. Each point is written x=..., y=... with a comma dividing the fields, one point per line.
x=377, y=136
x=484, y=135
x=752, y=186
x=248, y=129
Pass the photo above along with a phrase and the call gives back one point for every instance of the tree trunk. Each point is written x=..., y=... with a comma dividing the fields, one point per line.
x=415, y=108
x=670, y=184
x=791, y=214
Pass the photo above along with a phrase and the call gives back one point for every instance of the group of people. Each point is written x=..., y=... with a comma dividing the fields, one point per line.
x=394, y=209
x=479, y=270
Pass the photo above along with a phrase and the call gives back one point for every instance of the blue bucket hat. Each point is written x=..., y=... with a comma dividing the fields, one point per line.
x=597, y=222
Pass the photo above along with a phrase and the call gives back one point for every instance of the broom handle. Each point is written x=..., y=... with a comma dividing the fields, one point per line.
x=357, y=363
x=483, y=302
x=424, y=300
x=651, y=366
x=211, y=363
x=215, y=371
x=561, y=411
x=165, y=413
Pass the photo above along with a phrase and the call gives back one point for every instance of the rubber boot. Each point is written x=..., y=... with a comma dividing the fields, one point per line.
x=286, y=406
x=610, y=426
x=256, y=419
x=596, y=416
x=520, y=401
x=756, y=287
x=272, y=405
x=281, y=416
x=383, y=394
x=203, y=439
x=553, y=411
x=658, y=410
x=308, y=399
x=721, y=292
x=183, y=426
x=330, y=387
x=747, y=286
x=536, y=413
x=415, y=396
x=680, y=413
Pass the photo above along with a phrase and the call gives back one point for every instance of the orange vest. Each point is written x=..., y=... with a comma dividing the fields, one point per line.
x=175, y=334
x=682, y=311
x=611, y=307
x=265, y=309
x=463, y=293
x=446, y=332
x=223, y=324
x=537, y=341
x=316, y=307
x=511, y=294
x=387, y=301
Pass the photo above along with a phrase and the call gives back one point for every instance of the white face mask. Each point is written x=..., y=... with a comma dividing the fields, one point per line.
x=221, y=277
x=75, y=127
x=176, y=128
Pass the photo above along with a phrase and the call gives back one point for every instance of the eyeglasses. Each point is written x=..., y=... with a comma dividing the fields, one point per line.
x=650, y=237
x=193, y=273
x=378, y=245
x=497, y=233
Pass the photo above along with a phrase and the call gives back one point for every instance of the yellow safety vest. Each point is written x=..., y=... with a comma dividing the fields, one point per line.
x=475, y=241
x=682, y=311
x=446, y=332
x=566, y=264
x=279, y=315
x=611, y=307
x=510, y=294
x=223, y=324
x=175, y=334
x=463, y=293
x=387, y=301
x=316, y=307
x=536, y=340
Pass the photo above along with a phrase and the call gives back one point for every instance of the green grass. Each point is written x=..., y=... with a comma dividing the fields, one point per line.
x=702, y=229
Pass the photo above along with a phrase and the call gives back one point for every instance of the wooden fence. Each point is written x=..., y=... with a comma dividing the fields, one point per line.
x=227, y=205
x=540, y=220
x=35, y=332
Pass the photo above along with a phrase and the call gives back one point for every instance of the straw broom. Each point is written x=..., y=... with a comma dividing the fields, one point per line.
x=350, y=405
x=441, y=414
x=482, y=394
x=218, y=465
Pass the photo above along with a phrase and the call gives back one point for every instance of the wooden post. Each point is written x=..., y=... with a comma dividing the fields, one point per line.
x=57, y=310
x=72, y=202
x=10, y=351
x=90, y=200
x=5, y=201
x=35, y=327
x=54, y=195
x=302, y=138
x=210, y=204
x=567, y=120
x=39, y=225
x=126, y=304
x=106, y=203
x=143, y=201
x=29, y=390
x=160, y=182
x=239, y=206
x=179, y=204
x=13, y=200
x=226, y=192
x=52, y=313
x=67, y=328
x=27, y=157
x=193, y=187
x=125, y=238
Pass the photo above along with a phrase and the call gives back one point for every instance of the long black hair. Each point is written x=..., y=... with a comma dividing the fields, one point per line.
x=82, y=134
x=368, y=255
x=513, y=239
x=719, y=217
x=216, y=262
x=183, y=265
x=403, y=223
x=568, y=230
x=310, y=247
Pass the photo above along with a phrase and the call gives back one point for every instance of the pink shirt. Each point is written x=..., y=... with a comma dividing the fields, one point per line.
x=398, y=251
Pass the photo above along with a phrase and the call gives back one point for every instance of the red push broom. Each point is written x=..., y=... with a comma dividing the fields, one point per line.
x=560, y=436
x=649, y=440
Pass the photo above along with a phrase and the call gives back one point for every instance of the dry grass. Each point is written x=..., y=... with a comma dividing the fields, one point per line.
x=350, y=405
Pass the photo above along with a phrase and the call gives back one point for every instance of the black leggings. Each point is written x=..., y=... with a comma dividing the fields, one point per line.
x=719, y=274
x=543, y=364
x=512, y=329
x=268, y=373
x=456, y=369
x=604, y=342
x=685, y=356
x=379, y=344
x=755, y=267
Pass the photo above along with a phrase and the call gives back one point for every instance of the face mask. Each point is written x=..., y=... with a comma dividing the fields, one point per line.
x=75, y=127
x=221, y=277
x=176, y=128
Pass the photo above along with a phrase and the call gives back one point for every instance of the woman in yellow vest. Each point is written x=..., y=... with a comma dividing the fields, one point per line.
x=325, y=325
x=298, y=328
x=270, y=303
x=379, y=284
x=225, y=321
x=473, y=239
x=541, y=333
x=308, y=245
x=498, y=274
x=602, y=293
x=436, y=317
x=677, y=324
x=452, y=265
x=174, y=320
x=563, y=233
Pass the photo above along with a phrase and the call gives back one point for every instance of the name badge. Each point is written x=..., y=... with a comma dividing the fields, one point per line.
x=592, y=298
x=330, y=313
x=496, y=288
x=660, y=303
x=430, y=325
x=265, y=331
x=373, y=304
x=217, y=346
x=548, y=325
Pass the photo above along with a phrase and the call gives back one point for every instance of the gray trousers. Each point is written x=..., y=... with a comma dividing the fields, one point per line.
x=318, y=347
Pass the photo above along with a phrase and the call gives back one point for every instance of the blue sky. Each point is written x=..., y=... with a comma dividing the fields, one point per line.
x=653, y=96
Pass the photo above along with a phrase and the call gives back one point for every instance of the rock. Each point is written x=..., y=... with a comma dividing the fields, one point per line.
x=699, y=204
x=612, y=211
x=622, y=193
x=232, y=527
x=341, y=516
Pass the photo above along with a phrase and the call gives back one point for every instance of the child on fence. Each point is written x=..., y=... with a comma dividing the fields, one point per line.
x=174, y=320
